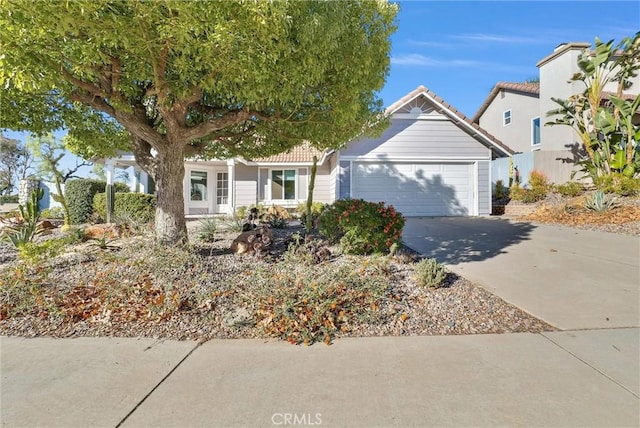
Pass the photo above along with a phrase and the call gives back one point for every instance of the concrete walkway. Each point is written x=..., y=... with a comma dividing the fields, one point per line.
x=570, y=379
x=573, y=279
x=583, y=282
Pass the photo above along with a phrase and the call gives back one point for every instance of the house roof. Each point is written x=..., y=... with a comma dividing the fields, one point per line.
x=303, y=153
x=525, y=88
x=562, y=48
x=452, y=113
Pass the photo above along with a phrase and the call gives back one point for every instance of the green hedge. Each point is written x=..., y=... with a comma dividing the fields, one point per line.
x=79, y=195
x=137, y=206
x=8, y=199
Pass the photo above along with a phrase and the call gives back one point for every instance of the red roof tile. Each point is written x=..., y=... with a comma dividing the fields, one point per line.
x=300, y=154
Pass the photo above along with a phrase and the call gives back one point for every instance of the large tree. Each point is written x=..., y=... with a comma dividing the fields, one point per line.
x=194, y=79
x=15, y=163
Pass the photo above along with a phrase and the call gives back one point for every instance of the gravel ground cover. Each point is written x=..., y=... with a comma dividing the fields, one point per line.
x=135, y=288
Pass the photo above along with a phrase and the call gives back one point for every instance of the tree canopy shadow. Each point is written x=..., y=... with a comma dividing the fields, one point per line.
x=454, y=240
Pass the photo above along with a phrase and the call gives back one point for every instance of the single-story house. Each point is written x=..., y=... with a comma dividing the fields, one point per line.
x=431, y=161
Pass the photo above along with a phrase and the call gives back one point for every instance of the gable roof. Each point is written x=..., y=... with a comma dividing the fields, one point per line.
x=525, y=88
x=456, y=116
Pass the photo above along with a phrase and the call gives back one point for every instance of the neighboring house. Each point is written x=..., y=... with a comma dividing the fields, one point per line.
x=516, y=113
x=430, y=161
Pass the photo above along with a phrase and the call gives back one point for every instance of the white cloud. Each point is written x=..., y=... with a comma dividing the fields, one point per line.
x=498, y=38
x=422, y=61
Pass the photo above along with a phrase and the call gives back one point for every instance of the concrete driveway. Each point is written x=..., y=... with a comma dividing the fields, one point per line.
x=570, y=278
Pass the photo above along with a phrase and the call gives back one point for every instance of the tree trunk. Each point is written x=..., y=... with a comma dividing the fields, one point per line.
x=171, y=227
x=312, y=181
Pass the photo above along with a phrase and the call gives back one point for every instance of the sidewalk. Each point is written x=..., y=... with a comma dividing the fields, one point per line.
x=579, y=378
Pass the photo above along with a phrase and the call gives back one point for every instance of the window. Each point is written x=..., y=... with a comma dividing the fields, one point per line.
x=222, y=188
x=535, y=131
x=506, y=117
x=198, y=186
x=283, y=184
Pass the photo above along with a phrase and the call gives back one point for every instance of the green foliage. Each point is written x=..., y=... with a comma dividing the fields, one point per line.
x=207, y=229
x=56, y=213
x=599, y=202
x=619, y=184
x=29, y=217
x=8, y=199
x=32, y=252
x=241, y=212
x=79, y=194
x=539, y=187
x=103, y=242
x=316, y=211
x=570, y=188
x=361, y=227
x=303, y=304
x=429, y=273
x=607, y=131
x=224, y=79
x=75, y=235
x=140, y=207
x=500, y=190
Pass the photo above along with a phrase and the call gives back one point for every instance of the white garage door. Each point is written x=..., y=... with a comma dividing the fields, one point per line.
x=417, y=189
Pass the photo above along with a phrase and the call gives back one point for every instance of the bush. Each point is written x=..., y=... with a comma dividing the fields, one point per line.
x=79, y=195
x=500, y=191
x=362, y=227
x=139, y=207
x=9, y=199
x=430, y=273
x=619, y=184
x=316, y=211
x=570, y=188
x=33, y=252
x=599, y=202
x=53, y=213
x=539, y=187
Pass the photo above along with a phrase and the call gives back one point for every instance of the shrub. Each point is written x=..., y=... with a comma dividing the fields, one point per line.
x=316, y=211
x=208, y=229
x=139, y=207
x=79, y=195
x=32, y=252
x=500, y=191
x=8, y=199
x=29, y=217
x=430, y=273
x=599, y=202
x=619, y=184
x=570, y=188
x=361, y=227
x=53, y=213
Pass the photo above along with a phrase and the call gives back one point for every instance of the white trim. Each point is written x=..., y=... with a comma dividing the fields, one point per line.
x=269, y=198
x=476, y=189
x=417, y=159
x=351, y=162
x=490, y=190
x=424, y=116
x=536, y=146
x=504, y=117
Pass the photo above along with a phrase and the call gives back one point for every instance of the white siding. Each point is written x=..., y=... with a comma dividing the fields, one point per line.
x=323, y=189
x=419, y=139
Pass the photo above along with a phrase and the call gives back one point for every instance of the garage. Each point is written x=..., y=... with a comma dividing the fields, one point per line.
x=417, y=189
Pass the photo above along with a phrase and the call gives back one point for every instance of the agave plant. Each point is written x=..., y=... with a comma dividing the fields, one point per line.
x=29, y=216
x=599, y=202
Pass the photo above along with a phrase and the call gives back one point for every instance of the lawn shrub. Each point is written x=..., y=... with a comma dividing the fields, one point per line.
x=32, y=252
x=570, y=188
x=619, y=184
x=500, y=190
x=538, y=188
x=79, y=195
x=56, y=213
x=429, y=273
x=139, y=207
x=361, y=227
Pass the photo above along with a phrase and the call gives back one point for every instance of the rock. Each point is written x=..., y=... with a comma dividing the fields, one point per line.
x=237, y=317
x=252, y=241
x=100, y=230
x=46, y=225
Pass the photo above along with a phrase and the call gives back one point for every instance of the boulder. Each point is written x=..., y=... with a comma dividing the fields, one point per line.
x=252, y=241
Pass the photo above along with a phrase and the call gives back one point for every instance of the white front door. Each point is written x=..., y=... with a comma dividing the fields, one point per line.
x=199, y=192
x=222, y=192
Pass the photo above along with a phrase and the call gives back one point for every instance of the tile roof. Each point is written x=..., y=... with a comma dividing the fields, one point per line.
x=520, y=87
x=300, y=154
x=457, y=114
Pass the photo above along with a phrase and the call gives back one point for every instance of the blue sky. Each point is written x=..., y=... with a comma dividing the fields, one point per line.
x=459, y=50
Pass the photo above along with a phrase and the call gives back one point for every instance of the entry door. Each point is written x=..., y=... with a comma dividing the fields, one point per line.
x=222, y=191
x=199, y=191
